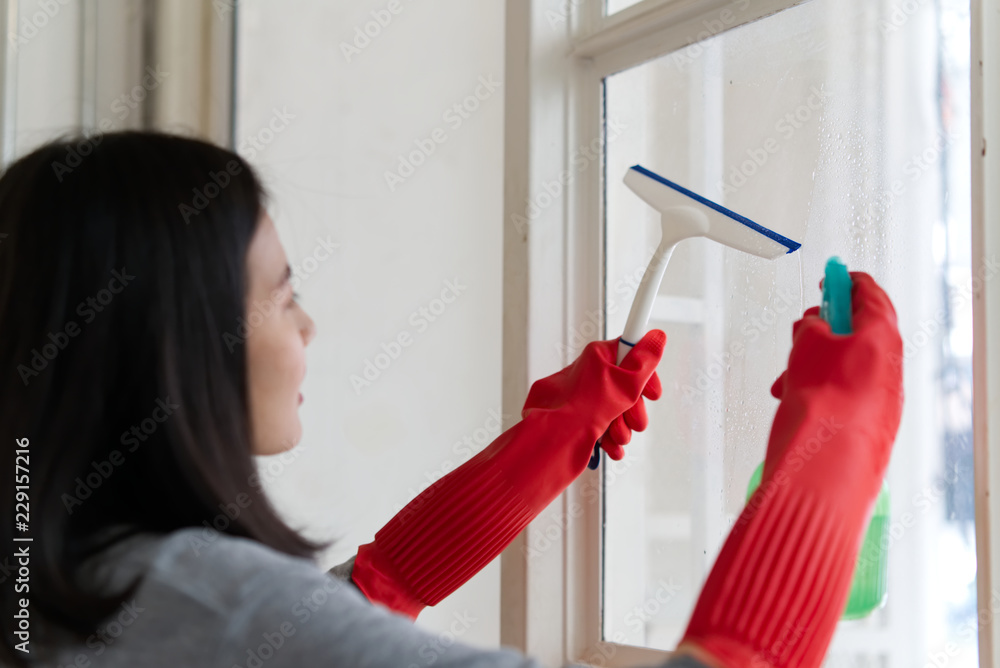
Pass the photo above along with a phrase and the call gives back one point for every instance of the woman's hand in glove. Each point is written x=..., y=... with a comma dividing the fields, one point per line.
x=842, y=385
x=464, y=520
x=790, y=557
x=605, y=395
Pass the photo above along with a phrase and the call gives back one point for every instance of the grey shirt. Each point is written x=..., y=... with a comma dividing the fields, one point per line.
x=211, y=599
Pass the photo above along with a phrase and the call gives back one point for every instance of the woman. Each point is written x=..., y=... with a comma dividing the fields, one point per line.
x=139, y=387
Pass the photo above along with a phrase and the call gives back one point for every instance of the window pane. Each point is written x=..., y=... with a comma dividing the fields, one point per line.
x=612, y=6
x=843, y=124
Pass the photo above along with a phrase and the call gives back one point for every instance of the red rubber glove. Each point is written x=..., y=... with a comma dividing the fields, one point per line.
x=782, y=579
x=451, y=530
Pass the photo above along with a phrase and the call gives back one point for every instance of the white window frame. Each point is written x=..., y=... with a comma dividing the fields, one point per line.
x=558, y=52
x=986, y=312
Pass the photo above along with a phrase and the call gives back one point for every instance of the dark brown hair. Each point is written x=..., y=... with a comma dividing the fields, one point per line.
x=122, y=265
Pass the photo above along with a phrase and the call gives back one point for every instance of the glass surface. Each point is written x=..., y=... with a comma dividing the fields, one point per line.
x=612, y=6
x=843, y=124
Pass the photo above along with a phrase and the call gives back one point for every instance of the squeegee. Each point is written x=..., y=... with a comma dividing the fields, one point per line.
x=685, y=215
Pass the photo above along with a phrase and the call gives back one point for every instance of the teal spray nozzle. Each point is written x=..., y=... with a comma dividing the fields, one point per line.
x=868, y=586
x=836, y=306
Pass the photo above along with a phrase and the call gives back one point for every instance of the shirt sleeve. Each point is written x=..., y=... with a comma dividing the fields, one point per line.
x=344, y=571
x=302, y=616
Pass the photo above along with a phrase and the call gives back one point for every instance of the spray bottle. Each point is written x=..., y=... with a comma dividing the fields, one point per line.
x=868, y=587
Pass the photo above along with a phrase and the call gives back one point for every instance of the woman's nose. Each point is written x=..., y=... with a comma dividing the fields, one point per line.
x=308, y=329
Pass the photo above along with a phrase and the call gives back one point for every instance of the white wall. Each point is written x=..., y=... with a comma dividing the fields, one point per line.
x=365, y=453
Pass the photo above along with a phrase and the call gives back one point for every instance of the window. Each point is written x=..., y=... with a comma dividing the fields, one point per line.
x=615, y=6
x=835, y=127
x=844, y=124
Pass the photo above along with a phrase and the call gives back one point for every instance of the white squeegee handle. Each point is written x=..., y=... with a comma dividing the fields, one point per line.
x=638, y=316
x=645, y=296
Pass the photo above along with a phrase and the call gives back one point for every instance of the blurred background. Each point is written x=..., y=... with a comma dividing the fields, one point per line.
x=378, y=127
x=327, y=100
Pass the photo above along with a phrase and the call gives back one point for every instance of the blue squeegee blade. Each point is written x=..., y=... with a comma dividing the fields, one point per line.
x=792, y=246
